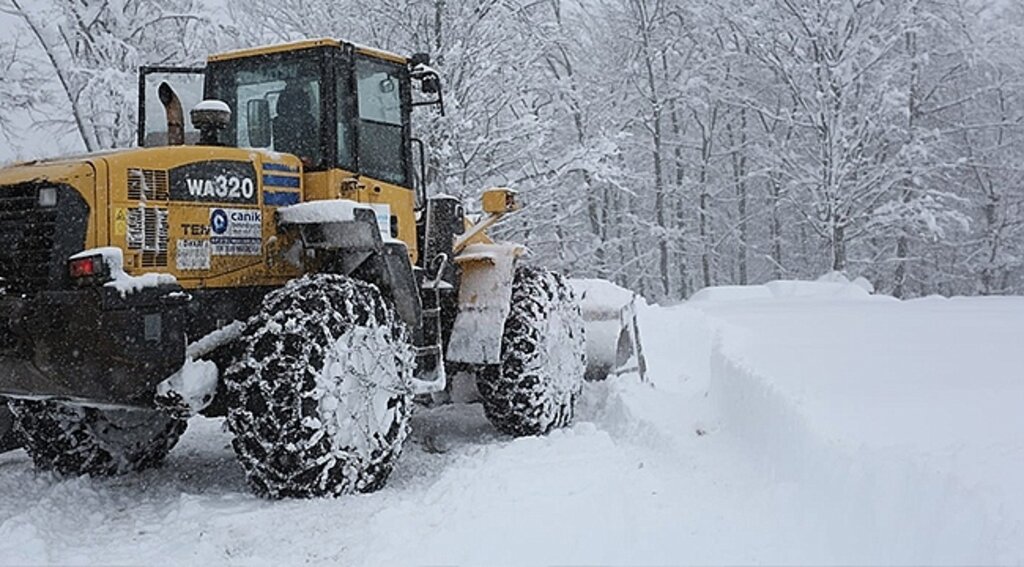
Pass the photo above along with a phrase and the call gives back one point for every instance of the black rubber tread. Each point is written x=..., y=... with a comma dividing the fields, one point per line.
x=76, y=440
x=526, y=394
x=9, y=438
x=271, y=388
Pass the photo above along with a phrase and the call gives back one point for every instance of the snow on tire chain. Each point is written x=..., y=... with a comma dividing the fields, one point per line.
x=673, y=472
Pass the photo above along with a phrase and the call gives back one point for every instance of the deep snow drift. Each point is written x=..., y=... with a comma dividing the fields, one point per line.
x=902, y=419
x=792, y=422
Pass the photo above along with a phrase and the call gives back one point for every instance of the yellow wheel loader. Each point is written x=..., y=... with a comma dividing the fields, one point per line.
x=272, y=257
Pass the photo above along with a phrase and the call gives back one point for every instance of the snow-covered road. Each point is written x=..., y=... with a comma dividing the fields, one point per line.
x=611, y=490
x=729, y=457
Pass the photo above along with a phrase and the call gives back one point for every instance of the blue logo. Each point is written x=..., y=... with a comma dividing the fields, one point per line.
x=219, y=221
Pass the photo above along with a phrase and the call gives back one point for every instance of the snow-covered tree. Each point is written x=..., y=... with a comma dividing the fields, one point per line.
x=20, y=85
x=664, y=144
x=94, y=48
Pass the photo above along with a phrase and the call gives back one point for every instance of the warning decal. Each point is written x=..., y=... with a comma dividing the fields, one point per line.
x=236, y=232
x=120, y=222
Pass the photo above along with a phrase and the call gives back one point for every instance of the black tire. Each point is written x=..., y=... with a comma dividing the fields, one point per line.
x=75, y=440
x=537, y=384
x=319, y=400
x=9, y=438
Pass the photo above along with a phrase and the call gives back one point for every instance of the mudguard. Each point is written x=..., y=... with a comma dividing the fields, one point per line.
x=351, y=240
x=485, y=296
x=133, y=342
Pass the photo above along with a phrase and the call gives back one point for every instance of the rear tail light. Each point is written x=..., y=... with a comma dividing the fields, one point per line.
x=82, y=267
x=89, y=269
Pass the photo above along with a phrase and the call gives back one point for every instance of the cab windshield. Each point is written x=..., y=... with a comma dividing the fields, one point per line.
x=290, y=87
x=365, y=100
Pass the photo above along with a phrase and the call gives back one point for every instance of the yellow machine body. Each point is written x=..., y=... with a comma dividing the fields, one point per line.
x=133, y=207
x=205, y=214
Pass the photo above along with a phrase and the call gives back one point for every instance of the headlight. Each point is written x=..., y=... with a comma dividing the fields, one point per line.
x=48, y=197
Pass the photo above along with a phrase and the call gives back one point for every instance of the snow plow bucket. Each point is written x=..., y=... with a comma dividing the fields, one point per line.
x=612, y=333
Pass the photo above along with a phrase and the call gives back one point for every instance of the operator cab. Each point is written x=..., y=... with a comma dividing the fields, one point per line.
x=343, y=110
x=332, y=104
x=320, y=104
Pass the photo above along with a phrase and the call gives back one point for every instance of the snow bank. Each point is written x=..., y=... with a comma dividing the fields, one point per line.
x=731, y=293
x=839, y=277
x=897, y=424
x=832, y=285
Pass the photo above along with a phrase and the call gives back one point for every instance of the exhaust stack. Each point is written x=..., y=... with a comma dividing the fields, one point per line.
x=175, y=116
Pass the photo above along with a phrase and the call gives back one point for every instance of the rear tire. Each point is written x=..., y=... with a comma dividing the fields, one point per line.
x=319, y=400
x=9, y=438
x=540, y=378
x=75, y=440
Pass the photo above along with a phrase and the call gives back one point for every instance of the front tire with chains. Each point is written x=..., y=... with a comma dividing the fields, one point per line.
x=540, y=378
x=319, y=398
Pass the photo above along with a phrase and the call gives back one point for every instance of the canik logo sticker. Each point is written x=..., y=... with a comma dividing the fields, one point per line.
x=236, y=232
x=219, y=221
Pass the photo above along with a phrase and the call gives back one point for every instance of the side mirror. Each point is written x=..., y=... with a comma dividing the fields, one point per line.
x=430, y=84
x=257, y=112
x=419, y=59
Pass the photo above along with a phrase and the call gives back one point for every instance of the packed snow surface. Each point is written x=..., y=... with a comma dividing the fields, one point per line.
x=793, y=422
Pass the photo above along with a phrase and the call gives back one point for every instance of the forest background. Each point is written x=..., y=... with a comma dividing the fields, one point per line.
x=666, y=145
